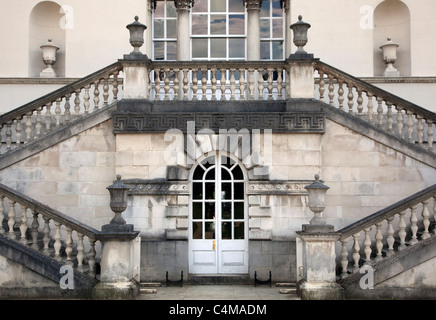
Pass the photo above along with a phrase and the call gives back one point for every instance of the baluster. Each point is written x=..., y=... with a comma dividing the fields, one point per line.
x=410, y=125
x=11, y=219
x=420, y=129
x=402, y=231
x=77, y=103
x=344, y=258
x=8, y=135
x=48, y=116
x=213, y=83
x=280, y=84
x=18, y=132
x=425, y=219
x=400, y=121
x=34, y=230
x=223, y=84
x=341, y=97
x=167, y=84
x=28, y=130
x=157, y=84
x=194, y=83
x=86, y=98
x=185, y=84
x=434, y=212
x=23, y=225
x=176, y=87
x=241, y=84
x=356, y=255
x=105, y=91
x=370, y=107
x=67, y=113
x=96, y=94
x=390, y=236
x=379, y=112
x=389, y=117
x=115, y=86
x=321, y=88
x=413, y=227
x=232, y=83
x=58, y=112
x=91, y=256
x=379, y=241
x=331, y=89
x=270, y=83
x=69, y=244
x=57, y=244
x=2, y=214
x=359, y=103
x=251, y=83
x=260, y=83
x=46, y=237
x=429, y=134
x=367, y=245
x=350, y=98
x=204, y=83
x=38, y=124
x=80, y=251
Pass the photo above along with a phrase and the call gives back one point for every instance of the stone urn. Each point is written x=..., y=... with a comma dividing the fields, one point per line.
x=49, y=51
x=300, y=35
x=389, y=58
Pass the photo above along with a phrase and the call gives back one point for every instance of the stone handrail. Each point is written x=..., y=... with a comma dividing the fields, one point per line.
x=375, y=105
x=69, y=103
x=218, y=80
x=399, y=219
x=63, y=238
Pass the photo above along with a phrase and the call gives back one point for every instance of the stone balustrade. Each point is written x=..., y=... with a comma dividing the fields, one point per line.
x=387, y=231
x=218, y=80
x=388, y=112
x=48, y=231
x=70, y=103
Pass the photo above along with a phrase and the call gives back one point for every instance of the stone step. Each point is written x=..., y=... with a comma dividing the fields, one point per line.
x=150, y=284
x=208, y=279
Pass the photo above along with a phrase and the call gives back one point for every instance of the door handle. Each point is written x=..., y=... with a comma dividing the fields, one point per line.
x=213, y=245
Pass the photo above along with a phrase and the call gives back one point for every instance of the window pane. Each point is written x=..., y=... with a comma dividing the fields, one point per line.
x=171, y=28
x=197, y=210
x=198, y=173
x=209, y=208
x=199, y=24
x=197, y=190
x=197, y=230
x=217, y=24
x=159, y=12
x=210, y=175
x=277, y=10
x=159, y=53
x=239, y=210
x=226, y=190
x=210, y=190
x=159, y=28
x=237, y=48
x=171, y=50
x=236, y=24
x=264, y=10
x=237, y=173
x=226, y=161
x=218, y=5
x=239, y=191
x=218, y=48
x=199, y=48
x=264, y=28
x=171, y=9
x=209, y=232
x=277, y=49
x=236, y=6
x=200, y=6
x=226, y=230
x=277, y=28
x=226, y=210
x=225, y=175
x=264, y=50
x=239, y=230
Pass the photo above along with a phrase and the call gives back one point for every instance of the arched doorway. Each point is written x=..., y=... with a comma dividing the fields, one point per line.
x=218, y=231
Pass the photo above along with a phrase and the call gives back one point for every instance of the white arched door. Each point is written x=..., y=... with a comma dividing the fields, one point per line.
x=218, y=232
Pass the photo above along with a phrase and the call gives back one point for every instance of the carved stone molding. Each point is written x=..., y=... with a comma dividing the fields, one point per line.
x=277, y=187
x=150, y=187
x=253, y=4
x=183, y=4
x=287, y=122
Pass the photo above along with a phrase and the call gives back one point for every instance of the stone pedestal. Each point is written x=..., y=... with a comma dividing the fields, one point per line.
x=120, y=265
x=302, y=80
x=318, y=259
x=136, y=84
